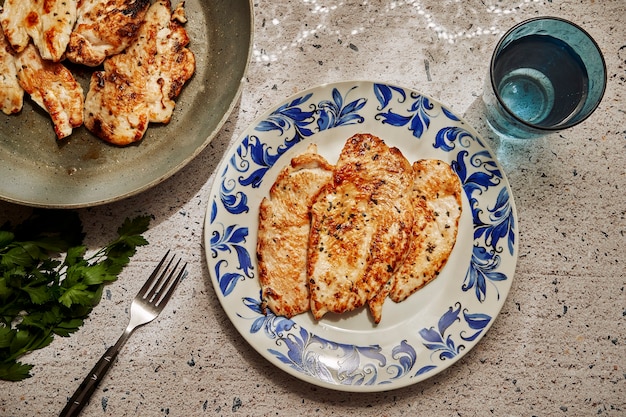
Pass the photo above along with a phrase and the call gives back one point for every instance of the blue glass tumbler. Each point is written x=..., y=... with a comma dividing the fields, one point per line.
x=547, y=74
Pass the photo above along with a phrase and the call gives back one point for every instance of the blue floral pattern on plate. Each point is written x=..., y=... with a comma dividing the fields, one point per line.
x=415, y=342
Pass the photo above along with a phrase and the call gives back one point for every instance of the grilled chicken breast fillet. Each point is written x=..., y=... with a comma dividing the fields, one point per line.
x=438, y=186
x=53, y=88
x=47, y=22
x=104, y=28
x=360, y=226
x=139, y=85
x=13, y=19
x=175, y=64
x=11, y=93
x=437, y=209
x=283, y=234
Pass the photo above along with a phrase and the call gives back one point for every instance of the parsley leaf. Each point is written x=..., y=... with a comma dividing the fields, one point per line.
x=14, y=371
x=48, y=283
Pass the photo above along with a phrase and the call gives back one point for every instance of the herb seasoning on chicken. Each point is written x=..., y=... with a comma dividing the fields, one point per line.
x=360, y=226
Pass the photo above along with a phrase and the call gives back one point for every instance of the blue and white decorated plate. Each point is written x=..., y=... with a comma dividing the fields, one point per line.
x=417, y=338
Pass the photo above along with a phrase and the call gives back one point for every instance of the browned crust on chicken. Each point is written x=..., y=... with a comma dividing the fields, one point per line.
x=139, y=85
x=283, y=233
x=11, y=93
x=104, y=28
x=47, y=22
x=174, y=64
x=53, y=87
x=421, y=218
x=115, y=108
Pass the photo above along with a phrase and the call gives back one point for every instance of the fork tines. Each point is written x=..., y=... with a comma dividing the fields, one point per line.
x=160, y=290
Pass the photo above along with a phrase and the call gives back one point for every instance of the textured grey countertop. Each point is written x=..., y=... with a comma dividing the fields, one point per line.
x=558, y=346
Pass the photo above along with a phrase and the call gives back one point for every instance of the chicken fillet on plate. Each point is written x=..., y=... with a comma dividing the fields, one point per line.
x=284, y=226
x=360, y=226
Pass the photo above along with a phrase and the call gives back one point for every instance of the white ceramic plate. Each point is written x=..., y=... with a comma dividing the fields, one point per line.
x=417, y=338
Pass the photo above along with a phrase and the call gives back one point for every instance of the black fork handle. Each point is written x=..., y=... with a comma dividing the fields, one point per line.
x=90, y=383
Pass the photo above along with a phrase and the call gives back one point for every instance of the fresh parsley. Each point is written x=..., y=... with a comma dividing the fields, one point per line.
x=48, y=283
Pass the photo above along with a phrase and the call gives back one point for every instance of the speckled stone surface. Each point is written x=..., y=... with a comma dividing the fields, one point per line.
x=557, y=348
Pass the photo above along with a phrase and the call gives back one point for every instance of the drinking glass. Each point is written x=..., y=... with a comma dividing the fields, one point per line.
x=546, y=74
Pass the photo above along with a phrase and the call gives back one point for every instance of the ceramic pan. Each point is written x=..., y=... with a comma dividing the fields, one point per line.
x=38, y=170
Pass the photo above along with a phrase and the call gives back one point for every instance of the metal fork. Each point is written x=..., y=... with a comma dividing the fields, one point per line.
x=146, y=306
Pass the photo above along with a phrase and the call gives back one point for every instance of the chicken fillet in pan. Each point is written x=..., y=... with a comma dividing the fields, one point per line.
x=11, y=93
x=139, y=85
x=53, y=87
x=47, y=22
x=104, y=28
